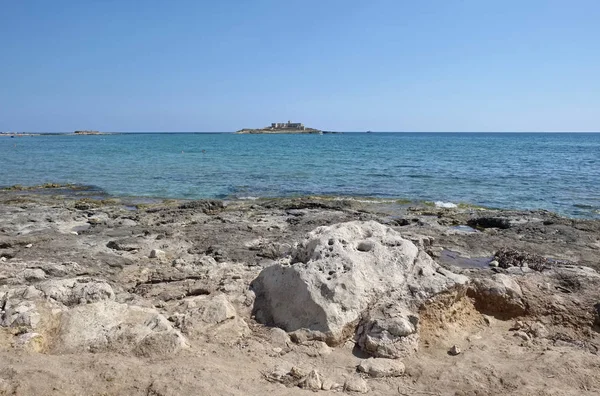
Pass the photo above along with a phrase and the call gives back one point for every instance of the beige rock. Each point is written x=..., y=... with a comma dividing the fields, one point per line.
x=356, y=384
x=107, y=325
x=313, y=381
x=455, y=350
x=522, y=335
x=212, y=316
x=34, y=342
x=501, y=296
x=279, y=337
x=76, y=290
x=376, y=367
x=158, y=254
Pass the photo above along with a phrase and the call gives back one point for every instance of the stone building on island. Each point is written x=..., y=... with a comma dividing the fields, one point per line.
x=288, y=125
x=283, y=127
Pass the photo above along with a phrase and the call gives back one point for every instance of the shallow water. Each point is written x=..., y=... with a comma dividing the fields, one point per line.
x=450, y=257
x=557, y=172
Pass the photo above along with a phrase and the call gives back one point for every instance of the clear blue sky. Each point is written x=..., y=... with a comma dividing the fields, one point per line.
x=393, y=65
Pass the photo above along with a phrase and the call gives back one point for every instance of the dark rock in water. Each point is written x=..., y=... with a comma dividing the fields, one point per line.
x=307, y=203
x=489, y=222
x=512, y=258
x=206, y=206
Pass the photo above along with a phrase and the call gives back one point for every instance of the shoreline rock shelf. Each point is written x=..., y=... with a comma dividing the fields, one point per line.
x=286, y=296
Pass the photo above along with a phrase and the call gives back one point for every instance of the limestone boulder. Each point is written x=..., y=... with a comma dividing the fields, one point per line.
x=381, y=367
x=346, y=272
x=111, y=326
x=211, y=316
x=76, y=290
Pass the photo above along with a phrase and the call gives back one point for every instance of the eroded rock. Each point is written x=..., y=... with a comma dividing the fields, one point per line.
x=349, y=273
x=108, y=325
x=499, y=295
x=211, y=316
x=378, y=368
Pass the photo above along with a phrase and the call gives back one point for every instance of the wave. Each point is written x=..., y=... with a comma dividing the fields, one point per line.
x=441, y=204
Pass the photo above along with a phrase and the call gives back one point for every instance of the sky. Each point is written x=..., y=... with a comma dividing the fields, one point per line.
x=344, y=65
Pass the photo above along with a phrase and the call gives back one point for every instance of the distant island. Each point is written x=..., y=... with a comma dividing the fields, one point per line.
x=88, y=132
x=281, y=127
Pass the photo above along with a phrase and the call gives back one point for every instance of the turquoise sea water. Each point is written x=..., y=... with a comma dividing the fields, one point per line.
x=557, y=172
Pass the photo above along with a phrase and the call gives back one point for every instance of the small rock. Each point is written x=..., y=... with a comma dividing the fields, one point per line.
x=5, y=387
x=381, y=367
x=518, y=325
x=34, y=274
x=455, y=350
x=277, y=350
x=298, y=372
x=329, y=385
x=313, y=381
x=2, y=259
x=157, y=253
x=31, y=341
x=538, y=330
x=494, y=263
x=522, y=335
x=74, y=233
x=279, y=337
x=29, y=245
x=356, y=384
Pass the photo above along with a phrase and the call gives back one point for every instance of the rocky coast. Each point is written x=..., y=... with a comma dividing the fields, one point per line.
x=111, y=296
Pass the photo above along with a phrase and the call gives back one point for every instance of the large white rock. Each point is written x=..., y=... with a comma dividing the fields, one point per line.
x=108, y=325
x=344, y=272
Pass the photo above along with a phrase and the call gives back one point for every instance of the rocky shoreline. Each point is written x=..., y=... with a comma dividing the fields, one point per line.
x=109, y=296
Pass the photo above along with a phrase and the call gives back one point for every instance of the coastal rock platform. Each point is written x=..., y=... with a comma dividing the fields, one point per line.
x=288, y=296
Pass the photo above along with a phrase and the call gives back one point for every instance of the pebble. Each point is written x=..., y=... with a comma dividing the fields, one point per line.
x=455, y=350
x=74, y=233
x=29, y=245
x=522, y=335
x=494, y=263
x=157, y=253
x=356, y=384
x=313, y=381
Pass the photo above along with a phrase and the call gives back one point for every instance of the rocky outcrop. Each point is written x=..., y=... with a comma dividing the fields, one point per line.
x=108, y=325
x=499, y=295
x=80, y=314
x=76, y=290
x=351, y=274
x=210, y=316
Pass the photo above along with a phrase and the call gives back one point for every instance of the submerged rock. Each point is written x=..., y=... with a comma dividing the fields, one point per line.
x=345, y=272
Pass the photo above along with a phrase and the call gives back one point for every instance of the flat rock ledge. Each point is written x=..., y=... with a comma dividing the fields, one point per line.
x=355, y=279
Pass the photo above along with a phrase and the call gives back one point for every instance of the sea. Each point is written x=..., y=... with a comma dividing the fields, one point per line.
x=559, y=172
